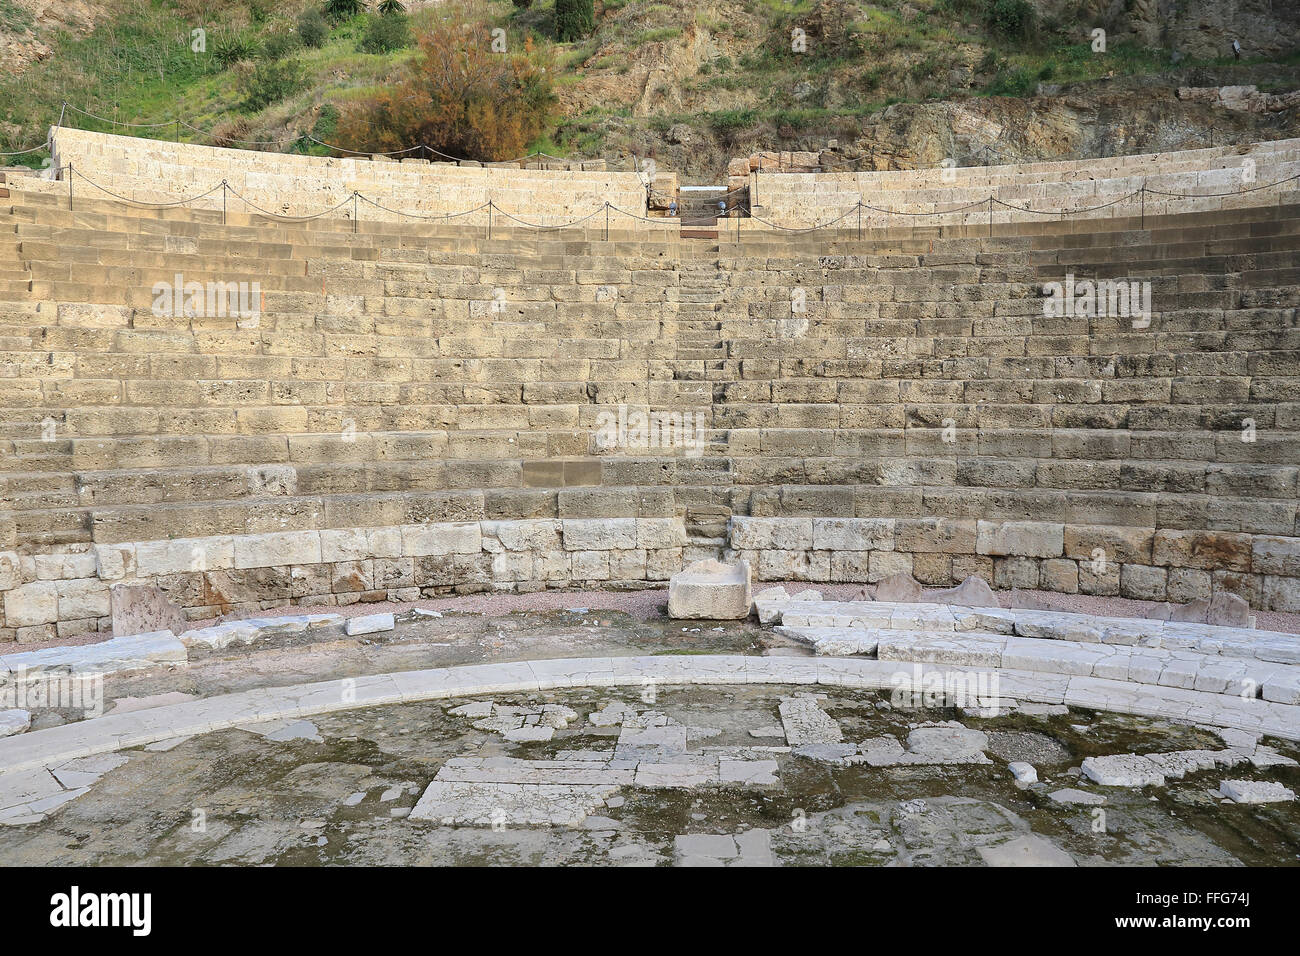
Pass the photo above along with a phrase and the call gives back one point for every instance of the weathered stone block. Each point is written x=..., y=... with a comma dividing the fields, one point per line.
x=1143, y=583
x=710, y=590
x=143, y=609
x=443, y=538
x=1209, y=550
x=660, y=533
x=184, y=554
x=1275, y=554
x=32, y=604
x=853, y=534
x=276, y=549
x=778, y=534
x=1027, y=539
x=595, y=534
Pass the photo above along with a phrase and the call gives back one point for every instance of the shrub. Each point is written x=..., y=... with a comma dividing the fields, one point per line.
x=388, y=8
x=384, y=34
x=1012, y=19
x=271, y=81
x=312, y=28
x=279, y=45
x=477, y=104
x=574, y=19
x=1015, y=82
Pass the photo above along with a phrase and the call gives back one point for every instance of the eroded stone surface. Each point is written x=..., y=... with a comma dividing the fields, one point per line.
x=710, y=590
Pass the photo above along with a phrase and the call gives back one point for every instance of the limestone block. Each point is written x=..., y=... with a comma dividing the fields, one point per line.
x=277, y=549
x=627, y=565
x=444, y=538
x=62, y=566
x=1208, y=550
x=10, y=570
x=114, y=561
x=14, y=721
x=710, y=590
x=344, y=544
x=87, y=598
x=597, y=534
x=32, y=604
x=369, y=624
x=143, y=609
x=1255, y=791
x=660, y=533
x=1031, y=539
x=853, y=534
x=884, y=564
x=1142, y=583
x=777, y=534
x=1271, y=554
x=182, y=555
x=590, y=565
x=530, y=535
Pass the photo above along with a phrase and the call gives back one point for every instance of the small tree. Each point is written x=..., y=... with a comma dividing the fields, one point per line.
x=477, y=103
x=574, y=19
x=388, y=8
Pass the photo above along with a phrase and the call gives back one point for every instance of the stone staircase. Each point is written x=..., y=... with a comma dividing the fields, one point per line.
x=700, y=293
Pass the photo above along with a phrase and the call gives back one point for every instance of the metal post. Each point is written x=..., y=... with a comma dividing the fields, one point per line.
x=354, y=212
x=61, y=112
x=178, y=130
x=990, y=217
x=607, y=220
x=859, y=220
x=69, y=187
x=1143, y=193
x=489, y=219
x=754, y=201
x=223, y=202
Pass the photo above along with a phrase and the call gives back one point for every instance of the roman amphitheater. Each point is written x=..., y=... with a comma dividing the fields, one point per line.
x=974, y=491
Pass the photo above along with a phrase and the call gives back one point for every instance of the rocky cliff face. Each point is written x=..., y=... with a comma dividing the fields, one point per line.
x=1073, y=123
x=1192, y=28
x=25, y=25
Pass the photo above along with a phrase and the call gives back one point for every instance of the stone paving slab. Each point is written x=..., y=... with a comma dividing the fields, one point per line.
x=1214, y=639
x=1190, y=669
x=135, y=652
x=138, y=728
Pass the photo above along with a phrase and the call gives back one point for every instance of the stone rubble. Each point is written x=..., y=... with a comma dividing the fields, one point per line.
x=1152, y=770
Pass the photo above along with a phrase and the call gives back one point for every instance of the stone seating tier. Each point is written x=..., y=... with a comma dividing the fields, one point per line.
x=381, y=427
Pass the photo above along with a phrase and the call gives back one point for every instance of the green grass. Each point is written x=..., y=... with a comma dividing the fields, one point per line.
x=13, y=18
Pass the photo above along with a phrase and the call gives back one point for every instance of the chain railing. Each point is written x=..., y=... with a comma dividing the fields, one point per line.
x=356, y=197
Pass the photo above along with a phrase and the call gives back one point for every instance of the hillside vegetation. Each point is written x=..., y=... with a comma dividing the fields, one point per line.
x=692, y=83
